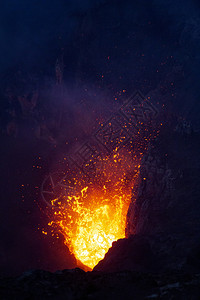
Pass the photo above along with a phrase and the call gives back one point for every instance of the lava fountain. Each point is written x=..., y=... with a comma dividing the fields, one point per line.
x=93, y=215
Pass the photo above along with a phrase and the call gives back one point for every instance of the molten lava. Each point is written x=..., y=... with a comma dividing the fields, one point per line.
x=94, y=216
x=92, y=222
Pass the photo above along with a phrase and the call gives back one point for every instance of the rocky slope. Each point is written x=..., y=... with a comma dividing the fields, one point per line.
x=76, y=284
x=163, y=229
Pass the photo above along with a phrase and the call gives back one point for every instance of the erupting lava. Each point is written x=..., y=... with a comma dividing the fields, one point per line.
x=91, y=213
x=92, y=228
x=94, y=216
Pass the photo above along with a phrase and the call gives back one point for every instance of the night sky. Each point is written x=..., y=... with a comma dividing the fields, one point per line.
x=107, y=49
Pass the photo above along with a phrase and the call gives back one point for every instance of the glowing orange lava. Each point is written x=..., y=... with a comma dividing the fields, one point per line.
x=95, y=215
x=95, y=221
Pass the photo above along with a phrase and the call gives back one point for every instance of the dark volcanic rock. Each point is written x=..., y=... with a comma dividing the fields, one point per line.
x=118, y=257
x=76, y=284
x=163, y=231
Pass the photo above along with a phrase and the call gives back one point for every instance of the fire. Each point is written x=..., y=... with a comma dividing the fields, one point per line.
x=93, y=216
x=91, y=212
x=96, y=221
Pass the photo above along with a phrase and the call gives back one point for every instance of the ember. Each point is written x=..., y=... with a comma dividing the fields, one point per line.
x=95, y=215
x=91, y=213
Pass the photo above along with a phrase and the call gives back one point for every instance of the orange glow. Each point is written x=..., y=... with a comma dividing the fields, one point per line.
x=89, y=203
x=93, y=228
x=94, y=215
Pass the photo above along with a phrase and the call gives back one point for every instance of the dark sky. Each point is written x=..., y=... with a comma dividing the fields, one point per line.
x=107, y=46
x=30, y=28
